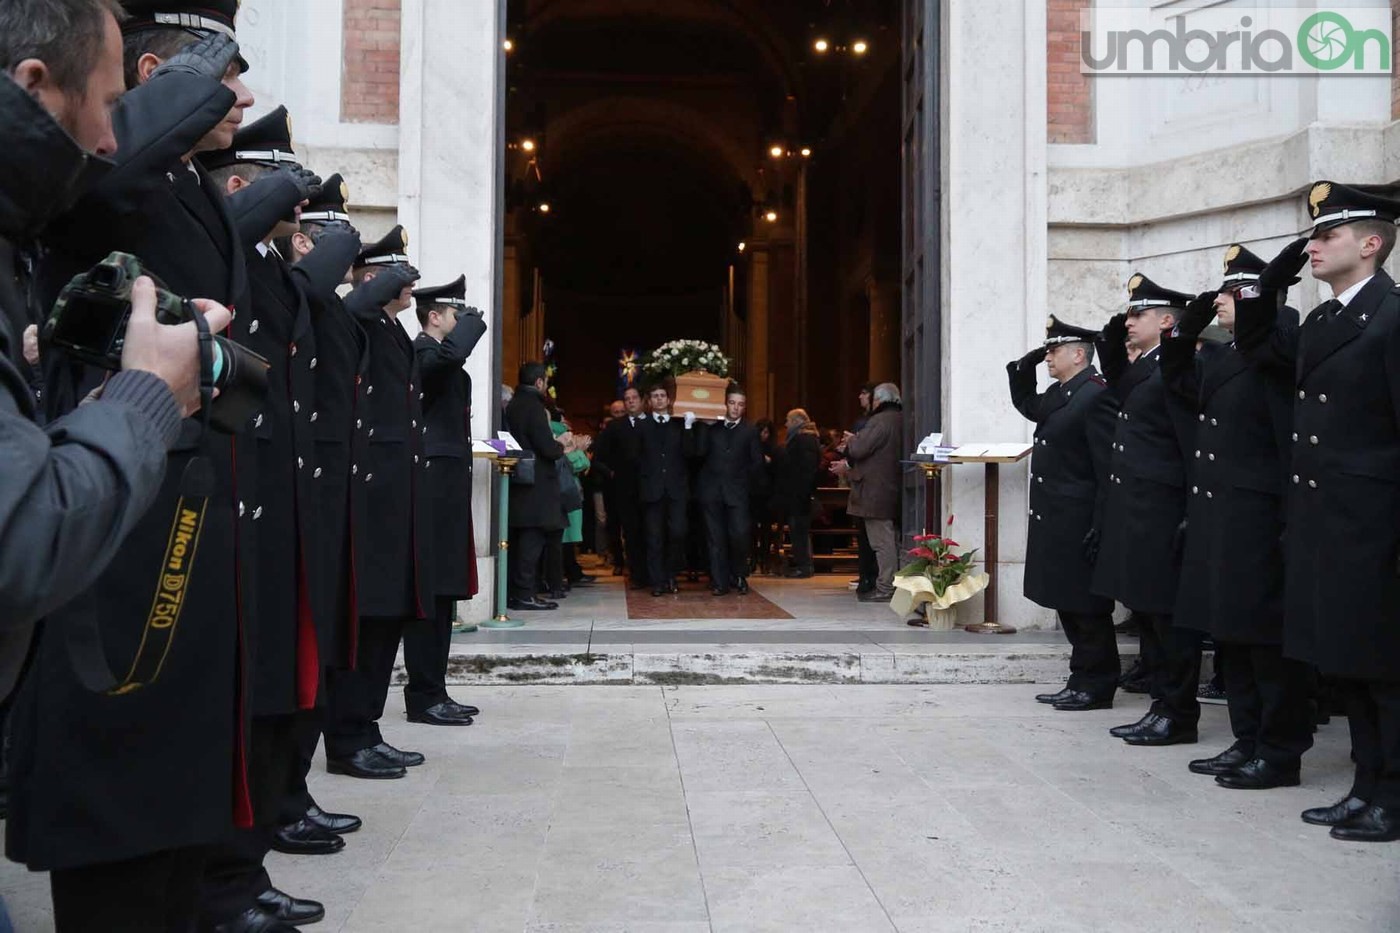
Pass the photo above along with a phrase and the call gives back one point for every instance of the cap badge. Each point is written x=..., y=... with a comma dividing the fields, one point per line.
x=1317, y=195
x=1133, y=283
x=1231, y=255
x=344, y=192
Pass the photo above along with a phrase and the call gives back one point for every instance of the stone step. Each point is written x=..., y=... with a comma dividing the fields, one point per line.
x=703, y=652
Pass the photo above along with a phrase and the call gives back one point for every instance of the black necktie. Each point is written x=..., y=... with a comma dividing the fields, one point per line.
x=731, y=425
x=1329, y=309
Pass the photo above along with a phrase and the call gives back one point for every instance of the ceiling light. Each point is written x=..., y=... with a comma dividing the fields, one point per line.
x=806, y=152
x=776, y=152
x=528, y=145
x=742, y=245
x=508, y=45
x=544, y=207
x=821, y=45
x=771, y=217
x=860, y=47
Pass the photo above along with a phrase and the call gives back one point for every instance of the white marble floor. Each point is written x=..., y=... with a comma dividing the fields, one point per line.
x=804, y=808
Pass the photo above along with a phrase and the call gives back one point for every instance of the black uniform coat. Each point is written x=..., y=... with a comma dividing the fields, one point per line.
x=662, y=471
x=1069, y=468
x=1139, y=560
x=1232, y=563
x=538, y=505
x=101, y=778
x=287, y=666
x=1342, y=544
x=342, y=443
x=730, y=459
x=392, y=576
x=447, y=394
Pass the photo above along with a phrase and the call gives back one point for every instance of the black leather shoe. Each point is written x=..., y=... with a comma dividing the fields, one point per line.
x=463, y=708
x=1164, y=732
x=440, y=714
x=1224, y=763
x=1258, y=774
x=874, y=596
x=1081, y=701
x=796, y=574
x=522, y=605
x=338, y=823
x=1148, y=719
x=288, y=909
x=1373, y=824
x=673, y=587
x=365, y=763
x=1136, y=685
x=742, y=586
x=1053, y=697
x=558, y=594
x=401, y=758
x=662, y=590
x=306, y=838
x=255, y=920
x=583, y=580
x=1335, y=815
x=719, y=591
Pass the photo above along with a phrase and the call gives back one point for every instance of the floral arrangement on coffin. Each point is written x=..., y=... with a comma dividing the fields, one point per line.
x=936, y=580
x=686, y=356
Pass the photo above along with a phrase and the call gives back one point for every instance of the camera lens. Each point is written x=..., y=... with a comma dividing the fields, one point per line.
x=108, y=277
x=240, y=375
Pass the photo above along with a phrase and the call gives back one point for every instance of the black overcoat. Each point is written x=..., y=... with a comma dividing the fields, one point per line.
x=730, y=459
x=1342, y=538
x=1069, y=469
x=392, y=577
x=447, y=393
x=663, y=451
x=795, y=474
x=616, y=456
x=1232, y=563
x=98, y=778
x=1139, y=551
x=539, y=504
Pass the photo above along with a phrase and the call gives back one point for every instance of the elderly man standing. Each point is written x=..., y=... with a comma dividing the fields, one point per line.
x=873, y=457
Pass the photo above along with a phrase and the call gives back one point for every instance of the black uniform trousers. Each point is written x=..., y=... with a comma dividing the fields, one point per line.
x=665, y=522
x=1270, y=697
x=1172, y=659
x=1094, y=666
x=298, y=799
x=356, y=698
x=152, y=892
x=728, y=529
x=526, y=546
x=1373, y=712
x=426, y=643
x=233, y=872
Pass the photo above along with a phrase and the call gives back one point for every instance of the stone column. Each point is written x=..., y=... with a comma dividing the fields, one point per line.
x=756, y=371
x=450, y=196
x=994, y=215
x=883, y=300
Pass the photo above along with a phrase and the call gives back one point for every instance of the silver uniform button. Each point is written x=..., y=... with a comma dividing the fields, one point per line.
x=371, y=432
x=1312, y=484
x=253, y=327
x=415, y=458
x=1302, y=394
x=257, y=513
x=1295, y=478
x=1210, y=456
x=368, y=477
x=1322, y=398
x=1295, y=437
x=257, y=422
x=315, y=415
x=316, y=474
x=241, y=510
x=355, y=468
x=294, y=349
x=1200, y=417
x=1209, y=494
x=313, y=362
x=296, y=406
x=1313, y=440
x=359, y=423
x=301, y=464
x=1214, y=423
x=369, y=391
x=1195, y=489
x=1198, y=455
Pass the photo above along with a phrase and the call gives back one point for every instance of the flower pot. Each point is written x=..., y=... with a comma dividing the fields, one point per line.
x=940, y=620
x=701, y=393
x=914, y=591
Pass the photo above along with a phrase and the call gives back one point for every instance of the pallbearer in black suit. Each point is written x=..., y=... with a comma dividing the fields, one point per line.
x=1342, y=544
x=616, y=454
x=393, y=583
x=1139, y=557
x=1232, y=568
x=664, y=443
x=451, y=330
x=730, y=458
x=1069, y=479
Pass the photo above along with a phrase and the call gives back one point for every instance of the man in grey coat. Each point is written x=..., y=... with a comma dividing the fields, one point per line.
x=872, y=455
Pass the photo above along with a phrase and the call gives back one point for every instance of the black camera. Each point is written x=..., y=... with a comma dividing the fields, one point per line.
x=89, y=322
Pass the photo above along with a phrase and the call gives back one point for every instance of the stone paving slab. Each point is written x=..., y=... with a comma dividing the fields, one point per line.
x=815, y=808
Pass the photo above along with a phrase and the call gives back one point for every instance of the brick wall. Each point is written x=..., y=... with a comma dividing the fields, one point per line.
x=1070, y=95
x=369, y=87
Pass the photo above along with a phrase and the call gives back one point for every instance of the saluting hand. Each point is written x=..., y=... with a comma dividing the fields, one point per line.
x=307, y=182
x=1282, y=271
x=1031, y=360
x=1115, y=332
x=1200, y=311
x=209, y=58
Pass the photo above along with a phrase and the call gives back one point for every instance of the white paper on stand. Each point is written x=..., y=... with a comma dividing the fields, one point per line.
x=511, y=442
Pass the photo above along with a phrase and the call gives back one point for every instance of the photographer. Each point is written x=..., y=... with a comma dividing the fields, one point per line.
x=73, y=492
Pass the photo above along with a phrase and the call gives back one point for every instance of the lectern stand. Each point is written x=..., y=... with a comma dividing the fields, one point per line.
x=505, y=466
x=992, y=456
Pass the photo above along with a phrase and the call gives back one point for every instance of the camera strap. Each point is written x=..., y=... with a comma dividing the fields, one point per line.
x=197, y=485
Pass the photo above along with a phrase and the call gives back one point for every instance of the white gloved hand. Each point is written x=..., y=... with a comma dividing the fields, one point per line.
x=689, y=419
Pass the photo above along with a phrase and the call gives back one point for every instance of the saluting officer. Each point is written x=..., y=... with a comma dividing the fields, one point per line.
x=1342, y=543
x=451, y=330
x=92, y=799
x=1069, y=476
x=1140, y=548
x=322, y=252
x=393, y=581
x=1232, y=566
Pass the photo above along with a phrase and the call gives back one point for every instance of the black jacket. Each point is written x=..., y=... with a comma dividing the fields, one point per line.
x=539, y=504
x=663, y=449
x=1232, y=563
x=795, y=474
x=616, y=458
x=447, y=393
x=730, y=459
x=1342, y=543
x=110, y=758
x=390, y=557
x=1069, y=467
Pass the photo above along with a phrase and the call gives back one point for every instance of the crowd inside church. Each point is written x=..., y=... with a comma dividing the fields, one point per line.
x=190, y=592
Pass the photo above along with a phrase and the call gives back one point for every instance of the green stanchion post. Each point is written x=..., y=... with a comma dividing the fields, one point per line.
x=505, y=466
